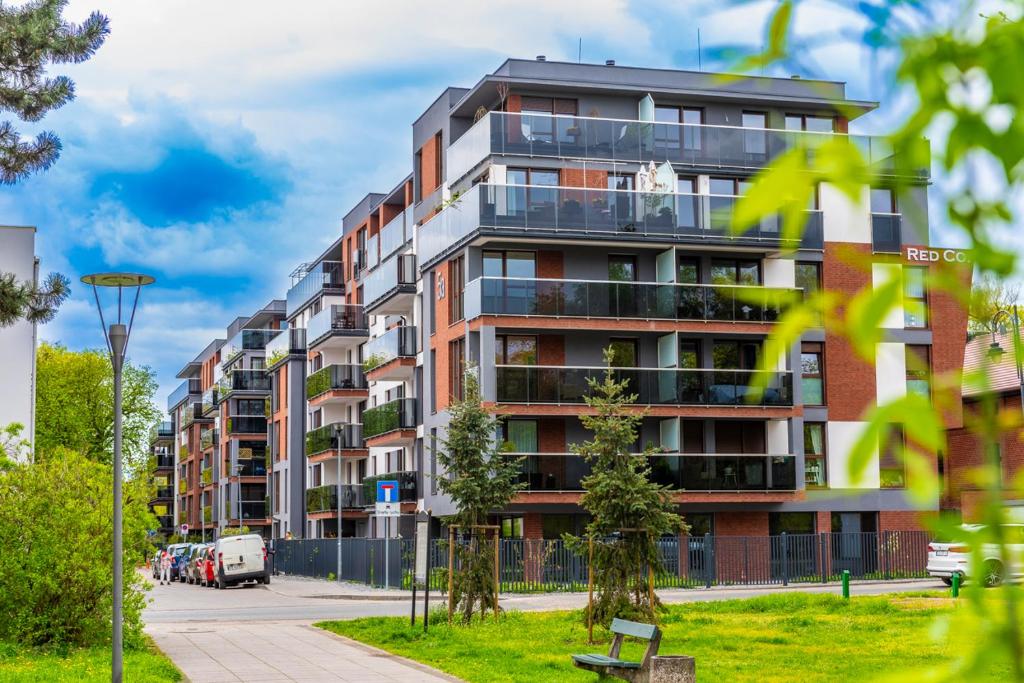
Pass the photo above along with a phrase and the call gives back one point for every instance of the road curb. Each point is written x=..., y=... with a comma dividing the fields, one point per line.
x=419, y=666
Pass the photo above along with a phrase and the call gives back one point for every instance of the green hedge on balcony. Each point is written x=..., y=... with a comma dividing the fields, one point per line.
x=318, y=382
x=380, y=420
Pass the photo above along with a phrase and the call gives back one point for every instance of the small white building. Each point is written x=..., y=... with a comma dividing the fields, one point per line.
x=18, y=342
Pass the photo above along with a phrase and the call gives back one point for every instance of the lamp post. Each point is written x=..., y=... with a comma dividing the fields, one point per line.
x=237, y=469
x=116, y=336
x=338, y=504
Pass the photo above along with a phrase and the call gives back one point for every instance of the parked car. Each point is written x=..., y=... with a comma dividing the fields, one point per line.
x=949, y=557
x=195, y=555
x=208, y=566
x=177, y=551
x=241, y=558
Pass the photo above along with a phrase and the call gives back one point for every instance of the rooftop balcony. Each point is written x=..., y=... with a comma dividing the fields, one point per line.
x=392, y=355
x=336, y=384
x=705, y=472
x=407, y=491
x=653, y=386
x=240, y=380
x=685, y=145
x=338, y=437
x=390, y=424
x=246, y=340
x=326, y=277
x=321, y=499
x=538, y=211
x=634, y=300
x=190, y=387
x=290, y=343
x=338, y=325
x=391, y=287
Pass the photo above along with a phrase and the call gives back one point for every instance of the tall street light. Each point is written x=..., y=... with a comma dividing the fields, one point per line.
x=116, y=336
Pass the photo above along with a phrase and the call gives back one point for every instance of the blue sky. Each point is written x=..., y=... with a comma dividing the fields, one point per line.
x=216, y=145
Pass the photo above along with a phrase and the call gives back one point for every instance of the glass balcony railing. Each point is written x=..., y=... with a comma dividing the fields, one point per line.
x=682, y=144
x=165, y=521
x=638, y=300
x=164, y=492
x=291, y=342
x=210, y=401
x=246, y=340
x=710, y=472
x=395, y=234
x=206, y=476
x=398, y=342
x=163, y=461
x=394, y=275
x=333, y=436
x=247, y=424
x=323, y=277
x=886, y=233
x=389, y=417
x=240, y=379
x=163, y=431
x=653, y=386
x=190, y=414
x=187, y=388
x=209, y=438
x=339, y=319
x=407, y=492
x=335, y=377
x=207, y=515
x=256, y=509
x=250, y=467
x=523, y=210
x=325, y=498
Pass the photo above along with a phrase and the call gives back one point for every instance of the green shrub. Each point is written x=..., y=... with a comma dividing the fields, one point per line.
x=234, y=531
x=56, y=566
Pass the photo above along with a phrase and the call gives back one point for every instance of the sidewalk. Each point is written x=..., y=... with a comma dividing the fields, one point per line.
x=281, y=651
x=306, y=587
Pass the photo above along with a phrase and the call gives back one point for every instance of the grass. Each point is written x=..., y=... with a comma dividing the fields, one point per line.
x=48, y=665
x=788, y=637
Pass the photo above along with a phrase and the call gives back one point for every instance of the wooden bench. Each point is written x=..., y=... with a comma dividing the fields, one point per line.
x=611, y=665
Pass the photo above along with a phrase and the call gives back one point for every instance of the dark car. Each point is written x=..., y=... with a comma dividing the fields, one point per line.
x=193, y=571
x=178, y=557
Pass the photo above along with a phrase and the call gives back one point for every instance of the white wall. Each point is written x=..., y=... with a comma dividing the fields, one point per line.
x=779, y=272
x=890, y=372
x=18, y=342
x=841, y=437
x=881, y=275
x=845, y=220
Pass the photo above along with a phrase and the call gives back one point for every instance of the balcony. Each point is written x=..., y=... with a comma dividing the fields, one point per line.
x=290, y=343
x=207, y=515
x=337, y=384
x=390, y=424
x=249, y=467
x=192, y=413
x=247, y=424
x=163, y=461
x=254, y=509
x=326, y=277
x=407, y=492
x=684, y=145
x=206, y=476
x=325, y=498
x=709, y=472
x=391, y=287
x=326, y=441
x=632, y=300
x=240, y=380
x=395, y=234
x=165, y=522
x=653, y=386
x=163, y=493
x=246, y=340
x=209, y=438
x=210, y=401
x=337, y=325
x=182, y=485
x=537, y=211
x=190, y=387
x=381, y=353
x=163, y=431
x=886, y=233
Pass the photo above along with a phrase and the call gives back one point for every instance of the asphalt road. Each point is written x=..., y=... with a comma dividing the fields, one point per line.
x=282, y=601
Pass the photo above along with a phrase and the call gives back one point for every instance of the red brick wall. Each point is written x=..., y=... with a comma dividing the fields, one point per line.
x=533, y=526
x=428, y=167
x=445, y=333
x=823, y=523
x=577, y=177
x=550, y=265
x=847, y=270
x=899, y=520
x=551, y=349
x=965, y=456
x=743, y=523
x=949, y=337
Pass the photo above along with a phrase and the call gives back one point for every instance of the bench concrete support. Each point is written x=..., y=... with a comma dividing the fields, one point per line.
x=673, y=669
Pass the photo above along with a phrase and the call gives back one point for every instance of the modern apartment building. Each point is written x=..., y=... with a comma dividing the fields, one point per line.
x=555, y=210
x=18, y=341
x=161, y=442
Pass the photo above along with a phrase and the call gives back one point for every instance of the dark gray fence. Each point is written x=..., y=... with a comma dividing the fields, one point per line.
x=533, y=565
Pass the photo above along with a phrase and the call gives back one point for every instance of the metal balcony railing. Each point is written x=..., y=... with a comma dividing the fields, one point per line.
x=653, y=386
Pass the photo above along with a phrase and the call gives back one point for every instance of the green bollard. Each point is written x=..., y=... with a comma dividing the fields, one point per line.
x=955, y=584
x=846, y=584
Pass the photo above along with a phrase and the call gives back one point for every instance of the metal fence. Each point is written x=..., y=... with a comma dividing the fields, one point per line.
x=533, y=565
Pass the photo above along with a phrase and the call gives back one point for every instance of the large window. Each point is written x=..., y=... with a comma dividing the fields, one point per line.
x=625, y=353
x=918, y=369
x=689, y=271
x=674, y=137
x=456, y=282
x=622, y=268
x=516, y=264
x=735, y=272
x=891, y=471
x=543, y=128
x=522, y=434
x=809, y=122
x=808, y=276
x=456, y=368
x=915, y=297
x=735, y=355
x=755, y=142
x=814, y=455
x=812, y=373
x=515, y=349
x=531, y=176
x=883, y=200
x=740, y=436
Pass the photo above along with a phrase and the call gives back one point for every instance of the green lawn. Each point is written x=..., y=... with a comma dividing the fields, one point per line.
x=789, y=637
x=77, y=664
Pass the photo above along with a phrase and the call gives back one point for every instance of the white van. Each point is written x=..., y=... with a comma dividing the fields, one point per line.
x=241, y=558
x=953, y=556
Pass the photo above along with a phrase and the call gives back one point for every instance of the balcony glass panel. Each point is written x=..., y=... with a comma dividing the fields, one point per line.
x=247, y=424
x=184, y=390
x=399, y=342
x=246, y=340
x=646, y=300
x=393, y=235
x=324, y=275
x=256, y=509
x=397, y=273
x=291, y=341
x=332, y=436
x=667, y=386
x=250, y=467
x=339, y=319
x=391, y=416
x=406, y=486
x=325, y=498
x=241, y=379
x=335, y=377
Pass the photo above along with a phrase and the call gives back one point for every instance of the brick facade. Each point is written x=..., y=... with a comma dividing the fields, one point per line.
x=846, y=271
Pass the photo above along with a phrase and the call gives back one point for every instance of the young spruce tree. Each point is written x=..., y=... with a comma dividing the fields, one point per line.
x=628, y=512
x=480, y=479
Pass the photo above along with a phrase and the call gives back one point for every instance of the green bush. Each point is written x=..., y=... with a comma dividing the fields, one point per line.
x=234, y=531
x=56, y=566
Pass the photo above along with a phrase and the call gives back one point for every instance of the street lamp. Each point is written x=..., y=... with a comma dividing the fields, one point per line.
x=116, y=336
x=237, y=469
x=338, y=503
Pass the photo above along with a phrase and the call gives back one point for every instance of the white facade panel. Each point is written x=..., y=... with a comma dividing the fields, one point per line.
x=845, y=220
x=841, y=437
x=18, y=342
x=881, y=275
x=779, y=272
x=890, y=372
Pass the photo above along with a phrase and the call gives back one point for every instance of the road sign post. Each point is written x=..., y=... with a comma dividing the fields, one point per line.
x=387, y=507
x=184, y=529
